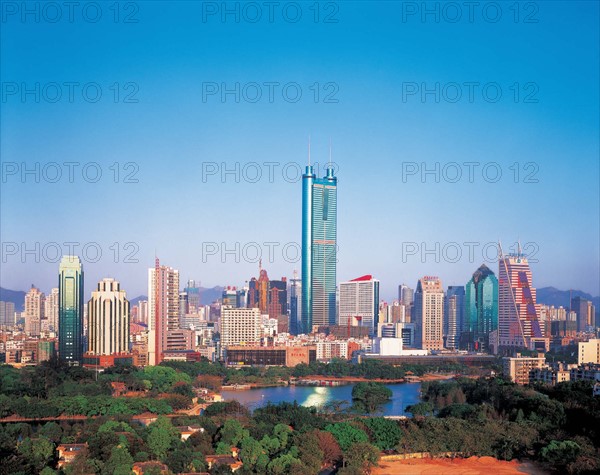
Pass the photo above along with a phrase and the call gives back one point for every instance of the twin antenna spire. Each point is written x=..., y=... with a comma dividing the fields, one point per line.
x=329, y=151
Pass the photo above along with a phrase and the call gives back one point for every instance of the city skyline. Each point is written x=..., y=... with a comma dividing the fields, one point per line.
x=372, y=129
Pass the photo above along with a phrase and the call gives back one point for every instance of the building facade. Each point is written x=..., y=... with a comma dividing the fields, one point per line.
x=163, y=309
x=518, y=323
x=108, y=318
x=359, y=303
x=34, y=311
x=240, y=326
x=70, y=310
x=319, y=249
x=481, y=310
x=454, y=306
x=429, y=313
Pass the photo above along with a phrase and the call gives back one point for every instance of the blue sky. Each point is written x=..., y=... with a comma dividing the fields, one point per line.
x=368, y=59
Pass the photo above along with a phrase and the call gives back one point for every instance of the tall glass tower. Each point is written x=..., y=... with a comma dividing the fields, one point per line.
x=70, y=309
x=481, y=310
x=319, y=248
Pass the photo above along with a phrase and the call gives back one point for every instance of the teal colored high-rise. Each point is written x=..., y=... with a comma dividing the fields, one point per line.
x=481, y=310
x=319, y=249
x=70, y=310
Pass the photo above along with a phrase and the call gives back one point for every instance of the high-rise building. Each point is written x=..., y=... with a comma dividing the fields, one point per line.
x=429, y=313
x=193, y=296
x=7, y=314
x=319, y=249
x=229, y=296
x=405, y=295
x=142, y=313
x=240, y=326
x=108, y=319
x=51, y=309
x=585, y=311
x=70, y=309
x=163, y=309
x=295, y=305
x=34, y=311
x=359, y=303
x=481, y=310
x=278, y=304
x=454, y=305
x=518, y=324
x=241, y=297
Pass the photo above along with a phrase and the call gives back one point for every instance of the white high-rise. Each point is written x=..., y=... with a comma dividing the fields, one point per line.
x=359, y=303
x=108, y=319
x=429, y=313
x=240, y=326
x=51, y=310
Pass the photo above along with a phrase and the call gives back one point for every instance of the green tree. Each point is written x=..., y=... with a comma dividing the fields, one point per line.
x=362, y=456
x=253, y=455
x=367, y=397
x=119, y=462
x=384, y=433
x=162, y=434
x=346, y=434
x=37, y=453
x=420, y=409
x=233, y=432
x=560, y=453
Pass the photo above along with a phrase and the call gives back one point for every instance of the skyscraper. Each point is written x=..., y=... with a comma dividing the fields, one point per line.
x=295, y=305
x=7, y=314
x=359, y=303
x=34, y=311
x=108, y=319
x=481, y=310
x=518, y=324
x=454, y=305
x=193, y=296
x=585, y=311
x=51, y=309
x=163, y=309
x=429, y=313
x=319, y=248
x=405, y=295
x=70, y=310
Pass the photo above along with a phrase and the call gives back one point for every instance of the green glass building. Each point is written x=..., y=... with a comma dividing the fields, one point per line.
x=70, y=309
x=481, y=310
x=319, y=249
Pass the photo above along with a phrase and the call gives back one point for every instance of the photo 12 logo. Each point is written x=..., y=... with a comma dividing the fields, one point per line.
x=452, y=92
x=469, y=172
x=69, y=12
x=269, y=92
x=266, y=252
x=270, y=12
x=52, y=252
x=254, y=172
x=470, y=12
x=69, y=92
x=69, y=172
x=454, y=252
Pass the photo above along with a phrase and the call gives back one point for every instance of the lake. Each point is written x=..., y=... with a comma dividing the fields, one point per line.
x=403, y=394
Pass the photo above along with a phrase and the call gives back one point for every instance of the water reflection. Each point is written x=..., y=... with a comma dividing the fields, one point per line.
x=402, y=395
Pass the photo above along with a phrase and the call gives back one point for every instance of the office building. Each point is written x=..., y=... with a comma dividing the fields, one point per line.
x=7, y=314
x=454, y=305
x=295, y=305
x=585, y=311
x=108, y=320
x=359, y=303
x=51, y=310
x=163, y=309
x=520, y=369
x=319, y=249
x=193, y=296
x=518, y=323
x=589, y=352
x=240, y=326
x=429, y=313
x=34, y=311
x=481, y=310
x=70, y=310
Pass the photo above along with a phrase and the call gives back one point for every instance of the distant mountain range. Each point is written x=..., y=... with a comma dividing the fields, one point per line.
x=545, y=295
x=207, y=296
